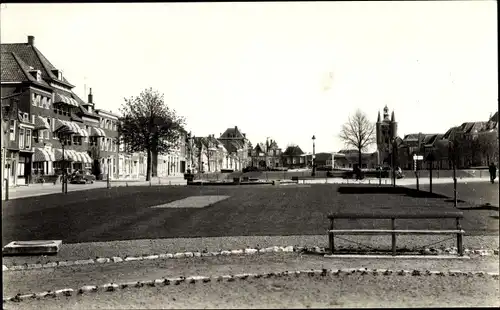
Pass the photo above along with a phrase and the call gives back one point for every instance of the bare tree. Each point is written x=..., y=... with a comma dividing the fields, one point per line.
x=358, y=132
x=149, y=125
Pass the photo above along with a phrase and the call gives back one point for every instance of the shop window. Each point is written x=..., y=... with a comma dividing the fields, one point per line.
x=39, y=168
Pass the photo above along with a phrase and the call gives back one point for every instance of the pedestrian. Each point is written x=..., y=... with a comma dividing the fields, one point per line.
x=493, y=172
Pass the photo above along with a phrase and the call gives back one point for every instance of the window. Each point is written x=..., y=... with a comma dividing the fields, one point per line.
x=12, y=130
x=49, y=102
x=34, y=100
x=43, y=102
x=77, y=140
x=40, y=102
x=21, y=138
x=53, y=124
x=28, y=138
x=20, y=168
x=38, y=168
x=46, y=134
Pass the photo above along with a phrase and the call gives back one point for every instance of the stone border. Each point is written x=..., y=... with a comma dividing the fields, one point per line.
x=248, y=251
x=110, y=287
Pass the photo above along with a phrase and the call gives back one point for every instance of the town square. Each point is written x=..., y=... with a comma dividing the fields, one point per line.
x=260, y=155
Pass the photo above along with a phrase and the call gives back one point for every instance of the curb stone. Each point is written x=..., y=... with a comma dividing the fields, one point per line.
x=246, y=251
x=110, y=287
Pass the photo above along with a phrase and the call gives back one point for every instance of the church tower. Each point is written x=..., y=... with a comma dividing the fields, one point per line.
x=386, y=131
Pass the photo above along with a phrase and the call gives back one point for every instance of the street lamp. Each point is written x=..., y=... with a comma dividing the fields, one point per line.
x=313, y=157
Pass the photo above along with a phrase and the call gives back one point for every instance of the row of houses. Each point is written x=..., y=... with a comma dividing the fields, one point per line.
x=37, y=102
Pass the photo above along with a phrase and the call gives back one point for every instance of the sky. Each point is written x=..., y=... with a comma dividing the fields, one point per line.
x=283, y=70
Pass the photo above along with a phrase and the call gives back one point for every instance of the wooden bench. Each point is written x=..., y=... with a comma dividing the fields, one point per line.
x=393, y=231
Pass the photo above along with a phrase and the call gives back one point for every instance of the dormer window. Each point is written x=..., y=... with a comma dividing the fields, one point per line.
x=37, y=74
x=58, y=74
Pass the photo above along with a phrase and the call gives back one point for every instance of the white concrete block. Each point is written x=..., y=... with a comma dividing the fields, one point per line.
x=225, y=253
x=179, y=255
x=151, y=257
x=288, y=249
x=88, y=288
x=251, y=251
x=84, y=262
x=50, y=265
x=188, y=254
x=35, y=247
x=131, y=259
x=102, y=260
x=237, y=252
x=116, y=259
x=65, y=264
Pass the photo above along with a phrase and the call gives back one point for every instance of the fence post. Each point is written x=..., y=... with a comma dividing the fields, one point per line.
x=459, y=239
x=331, y=237
x=393, y=227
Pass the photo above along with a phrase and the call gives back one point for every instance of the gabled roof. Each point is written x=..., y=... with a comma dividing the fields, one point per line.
x=34, y=58
x=293, y=150
x=16, y=70
x=233, y=133
x=232, y=146
x=494, y=118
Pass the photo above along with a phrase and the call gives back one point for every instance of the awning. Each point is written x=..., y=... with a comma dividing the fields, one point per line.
x=73, y=127
x=98, y=132
x=77, y=157
x=65, y=99
x=84, y=132
x=41, y=123
x=42, y=155
x=86, y=158
x=58, y=155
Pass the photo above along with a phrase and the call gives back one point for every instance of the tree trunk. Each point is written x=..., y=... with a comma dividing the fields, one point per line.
x=148, y=166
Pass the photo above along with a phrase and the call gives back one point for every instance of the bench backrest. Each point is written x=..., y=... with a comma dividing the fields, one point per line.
x=395, y=215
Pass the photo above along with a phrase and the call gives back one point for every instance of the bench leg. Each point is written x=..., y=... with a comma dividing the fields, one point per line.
x=393, y=226
x=460, y=245
x=331, y=240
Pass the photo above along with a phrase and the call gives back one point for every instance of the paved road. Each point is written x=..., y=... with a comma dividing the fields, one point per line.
x=47, y=189
x=125, y=213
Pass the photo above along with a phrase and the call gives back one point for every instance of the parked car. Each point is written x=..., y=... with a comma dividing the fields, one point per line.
x=82, y=178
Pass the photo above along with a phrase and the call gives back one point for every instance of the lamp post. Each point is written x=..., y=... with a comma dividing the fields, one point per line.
x=63, y=138
x=108, y=185
x=452, y=154
x=313, y=157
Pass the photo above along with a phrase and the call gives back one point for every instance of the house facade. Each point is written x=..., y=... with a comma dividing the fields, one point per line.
x=293, y=157
x=45, y=105
x=266, y=154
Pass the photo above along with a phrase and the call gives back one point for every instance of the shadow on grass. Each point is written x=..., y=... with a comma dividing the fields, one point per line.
x=398, y=190
x=482, y=207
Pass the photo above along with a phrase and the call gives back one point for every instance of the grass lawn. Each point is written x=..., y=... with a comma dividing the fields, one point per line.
x=124, y=213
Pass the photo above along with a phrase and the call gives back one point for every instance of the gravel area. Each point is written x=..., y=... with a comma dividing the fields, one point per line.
x=70, y=252
x=33, y=281
x=303, y=291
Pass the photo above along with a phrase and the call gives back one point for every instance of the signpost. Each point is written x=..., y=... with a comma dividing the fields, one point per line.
x=417, y=158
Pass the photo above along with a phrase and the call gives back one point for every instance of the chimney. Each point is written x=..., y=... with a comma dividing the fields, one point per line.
x=244, y=135
x=31, y=40
x=235, y=128
x=90, y=95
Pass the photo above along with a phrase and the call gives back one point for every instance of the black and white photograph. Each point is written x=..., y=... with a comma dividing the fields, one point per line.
x=218, y=155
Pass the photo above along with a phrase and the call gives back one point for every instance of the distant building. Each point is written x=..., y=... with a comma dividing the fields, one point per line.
x=266, y=154
x=386, y=132
x=293, y=157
